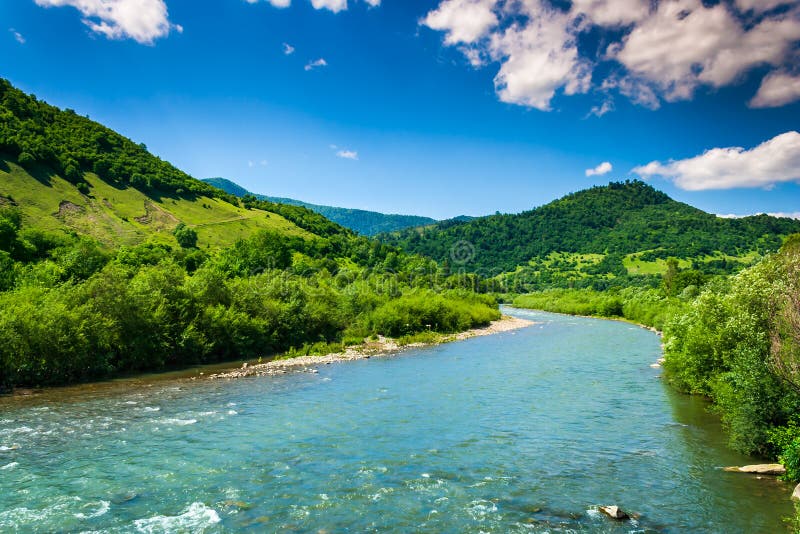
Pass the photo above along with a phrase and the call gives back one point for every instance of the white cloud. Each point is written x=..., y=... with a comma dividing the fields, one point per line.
x=288, y=49
x=317, y=63
x=464, y=21
x=777, y=89
x=333, y=5
x=18, y=36
x=348, y=154
x=772, y=162
x=781, y=214
x=611, y=12
x=144, y=21
x=600, y=170
x=684, y=45
x=598, y=111
x=538, y=58
x=658, y=51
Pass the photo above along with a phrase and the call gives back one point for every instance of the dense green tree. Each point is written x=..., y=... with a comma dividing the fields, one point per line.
x=185, y=236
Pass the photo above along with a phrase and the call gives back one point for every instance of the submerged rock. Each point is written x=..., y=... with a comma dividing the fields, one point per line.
x=614, y=512
x=758, y=469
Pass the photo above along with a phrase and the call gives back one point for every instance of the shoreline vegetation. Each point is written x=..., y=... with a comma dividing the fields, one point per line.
x=371, y=348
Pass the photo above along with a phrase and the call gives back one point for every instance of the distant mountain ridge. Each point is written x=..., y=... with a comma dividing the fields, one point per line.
x=618, y=220
x=364, y=222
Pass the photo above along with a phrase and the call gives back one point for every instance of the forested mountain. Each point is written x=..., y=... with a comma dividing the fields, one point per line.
x=610, y=229
x=114, y=261
x=364, y=222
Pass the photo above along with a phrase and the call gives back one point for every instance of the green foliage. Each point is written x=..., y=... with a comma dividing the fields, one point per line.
x=73, y=311
x=648, y=307
x=723, y=346
x=425, y=310
x=185, y=236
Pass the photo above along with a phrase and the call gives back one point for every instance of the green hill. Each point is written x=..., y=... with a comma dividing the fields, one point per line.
x=618, y=230
x=66, y=172
x=364, y=222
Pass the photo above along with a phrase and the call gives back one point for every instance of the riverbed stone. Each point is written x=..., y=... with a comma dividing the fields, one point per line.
x=614, y=512
x=758, y=469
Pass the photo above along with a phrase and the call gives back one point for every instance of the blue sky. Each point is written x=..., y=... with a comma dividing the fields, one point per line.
x=436, y=107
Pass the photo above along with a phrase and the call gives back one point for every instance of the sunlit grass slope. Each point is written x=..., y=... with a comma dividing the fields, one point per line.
x=126, y=216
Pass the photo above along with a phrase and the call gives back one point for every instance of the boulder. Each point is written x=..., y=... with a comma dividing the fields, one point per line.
x=614, y=512
x=759, y=469
x=796, y=493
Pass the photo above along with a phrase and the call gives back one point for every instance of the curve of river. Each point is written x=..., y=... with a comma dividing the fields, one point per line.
x=526, y=431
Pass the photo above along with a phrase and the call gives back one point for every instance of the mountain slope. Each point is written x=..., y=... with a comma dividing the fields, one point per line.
x=364, y=222
x=66, y=172
x=626, y=221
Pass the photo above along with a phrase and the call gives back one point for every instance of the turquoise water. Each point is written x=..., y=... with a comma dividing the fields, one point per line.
x=519, y=432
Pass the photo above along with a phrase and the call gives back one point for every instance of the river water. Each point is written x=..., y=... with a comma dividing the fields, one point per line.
x=525, y=431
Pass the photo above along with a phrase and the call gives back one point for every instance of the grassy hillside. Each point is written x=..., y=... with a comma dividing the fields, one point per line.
x=364, y=222
x=65, y=172
x=125, y=215
x=598, y=235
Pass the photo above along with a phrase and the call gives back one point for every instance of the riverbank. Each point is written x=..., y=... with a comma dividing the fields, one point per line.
x=381, y=346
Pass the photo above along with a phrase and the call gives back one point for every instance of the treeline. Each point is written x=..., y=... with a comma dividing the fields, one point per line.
x=73, y=311
x=645, y=306
x=618, y=219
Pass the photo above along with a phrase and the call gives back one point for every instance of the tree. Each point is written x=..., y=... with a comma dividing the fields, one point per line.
x=186, y=237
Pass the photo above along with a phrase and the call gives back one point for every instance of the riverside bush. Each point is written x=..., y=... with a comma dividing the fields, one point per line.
x=732, y=345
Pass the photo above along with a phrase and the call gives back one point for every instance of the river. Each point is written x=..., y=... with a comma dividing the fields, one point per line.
x=525, y=431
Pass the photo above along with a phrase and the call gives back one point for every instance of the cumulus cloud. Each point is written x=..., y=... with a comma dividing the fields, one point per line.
x=777, y=89
x=611, y=12
x=332, y=5
x=288, y=49
x=347, y=154
x=18, y=36
x=772, y=162
x=317, y=63
x=780, y=214
x=144, y=21
x=657, y=51
x=600, y=170
x=684, y=45
x=537, y=59
x=463, y=21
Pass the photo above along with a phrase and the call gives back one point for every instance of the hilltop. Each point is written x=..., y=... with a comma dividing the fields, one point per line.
x=368, y=223
x=65, y=172
x=624, y=228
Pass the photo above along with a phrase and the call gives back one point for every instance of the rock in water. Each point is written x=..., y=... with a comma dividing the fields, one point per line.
x=759, y=469
x=614, y=512
x=796, y=494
